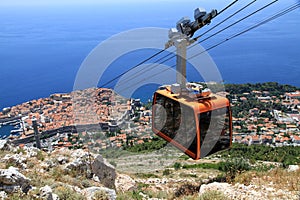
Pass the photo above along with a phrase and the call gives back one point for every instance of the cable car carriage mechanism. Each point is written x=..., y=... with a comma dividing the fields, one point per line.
x=188, y=115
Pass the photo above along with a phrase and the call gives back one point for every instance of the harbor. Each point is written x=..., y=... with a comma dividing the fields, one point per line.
x=11, y=129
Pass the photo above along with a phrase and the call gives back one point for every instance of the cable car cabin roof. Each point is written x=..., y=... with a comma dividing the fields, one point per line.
x=204, y=104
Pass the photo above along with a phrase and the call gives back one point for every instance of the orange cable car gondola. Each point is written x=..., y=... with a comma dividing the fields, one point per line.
x=198, y=126
x=187, y=115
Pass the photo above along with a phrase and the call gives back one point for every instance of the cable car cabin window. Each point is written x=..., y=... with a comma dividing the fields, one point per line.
x=176, y=121
x=214, y=131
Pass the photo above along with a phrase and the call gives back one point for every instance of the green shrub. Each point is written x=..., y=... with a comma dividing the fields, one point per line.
x=133, y=195
x=113, y=163
x=186, y=190
x=140, y=186
x=166, y=172
x=85, y=183
x=21, y=150
x=20, y=196
x=177, y=166
x=145, y=176
x=215, y=195
x=157, y=194
x=100, y=195
x=263, y=167
x=10, y=164
x=57, y=173
x=184, y=175
x=233, y=167
x=66, y=193
x=40, y=156
x=156, y=144
x=203, y=166
x=184, y=157
x=287, y=155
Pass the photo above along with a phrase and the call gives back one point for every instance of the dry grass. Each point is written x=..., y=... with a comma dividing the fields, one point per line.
x=186, y=190
x=39, y=179
x=209, y=195
x=282, y=179
x=66, y=193
x=245, y=178
x=4, y=165
x=215, y=195
x=277, y=178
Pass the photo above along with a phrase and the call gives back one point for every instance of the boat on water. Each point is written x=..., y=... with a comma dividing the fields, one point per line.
x=16, y=123
x=16, y=131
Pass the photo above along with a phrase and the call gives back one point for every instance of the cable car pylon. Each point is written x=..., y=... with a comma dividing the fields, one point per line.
x=185, y=114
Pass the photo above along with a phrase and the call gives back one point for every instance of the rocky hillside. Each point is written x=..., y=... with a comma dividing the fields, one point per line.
x=28, y=173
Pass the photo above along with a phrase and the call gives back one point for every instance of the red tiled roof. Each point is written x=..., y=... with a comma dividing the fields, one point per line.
x=296, y=138
x=293, y=94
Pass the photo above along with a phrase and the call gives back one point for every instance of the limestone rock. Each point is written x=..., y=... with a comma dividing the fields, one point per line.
x=78, y=165
x=16, y=159
x=143, y=195
x=46, y=193
x=48, y=164
x=3, y=195
x=80, y=161
x=4, y=145
x=62, y=160
x=45, y=166
x=31, y=151
x=96, y=178
x=293, y=168
x=79, y=153
x=90, y=192
x=105, y=171
x=12, y=180
x=124, y=183
x=214, y=186
x=55, y=197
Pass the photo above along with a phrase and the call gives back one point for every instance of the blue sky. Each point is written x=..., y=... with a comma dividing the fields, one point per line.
x=116, y=2
x=209, y=4
x=60, y=2
x=100, y=2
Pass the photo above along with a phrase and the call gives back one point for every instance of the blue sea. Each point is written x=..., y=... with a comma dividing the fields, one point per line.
x=43, y=46
x=5, y=131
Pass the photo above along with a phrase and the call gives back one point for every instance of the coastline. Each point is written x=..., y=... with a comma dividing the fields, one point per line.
x=144, y=95
x=59, y=113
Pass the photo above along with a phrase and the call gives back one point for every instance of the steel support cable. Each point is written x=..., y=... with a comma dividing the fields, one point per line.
x=140, y=63
x=227, y=18
x=238, y=21
x=227, y=7
x=152, y=65
x=156, y=54
x=275, y=16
